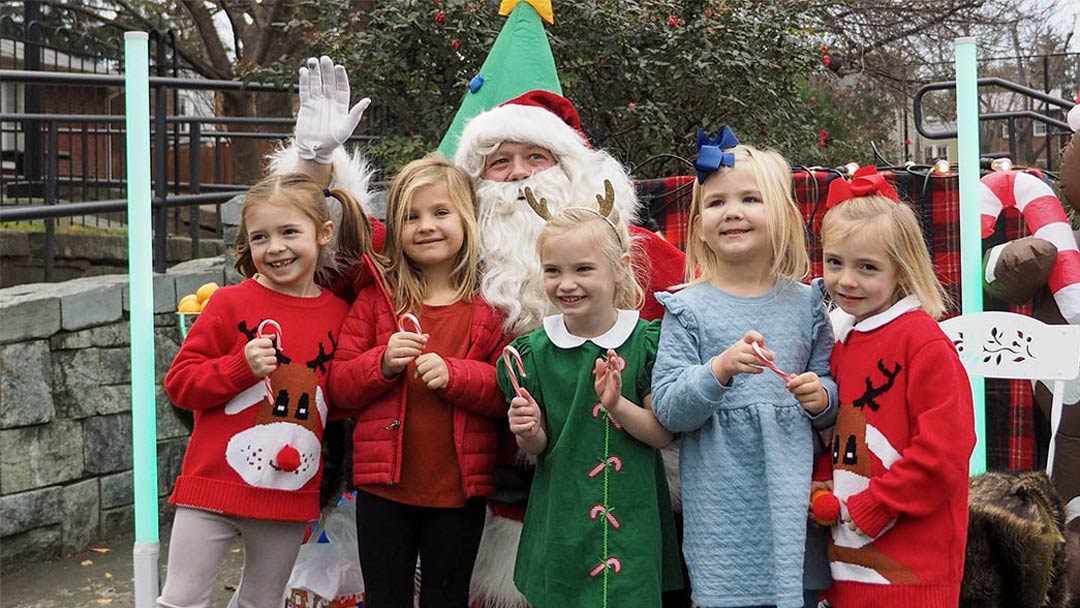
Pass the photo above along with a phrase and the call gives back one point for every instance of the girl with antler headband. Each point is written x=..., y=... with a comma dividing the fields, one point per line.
x=905, y=428
x=599, y=529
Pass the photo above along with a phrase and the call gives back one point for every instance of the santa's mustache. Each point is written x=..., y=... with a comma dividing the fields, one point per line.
x=501, y=198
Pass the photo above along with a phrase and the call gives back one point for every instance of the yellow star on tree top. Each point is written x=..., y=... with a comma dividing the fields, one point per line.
x=542, y=8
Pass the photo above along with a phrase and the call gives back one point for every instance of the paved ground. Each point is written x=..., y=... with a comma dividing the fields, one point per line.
x=93, y=579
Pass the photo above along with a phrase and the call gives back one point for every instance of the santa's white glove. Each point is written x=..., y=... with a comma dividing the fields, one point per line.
x=325, y=121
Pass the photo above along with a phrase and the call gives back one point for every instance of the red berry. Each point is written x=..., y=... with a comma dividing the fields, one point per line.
x=672, y=21
x=826, y=60
x=631, y=106
x=455, y=43
x=440, y=17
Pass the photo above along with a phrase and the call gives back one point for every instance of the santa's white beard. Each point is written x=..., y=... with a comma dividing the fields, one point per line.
x=510, y=265
x=511, y=278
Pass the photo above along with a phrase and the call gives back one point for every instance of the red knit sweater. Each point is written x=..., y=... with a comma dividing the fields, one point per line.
x=247, y=456
x=904, y=434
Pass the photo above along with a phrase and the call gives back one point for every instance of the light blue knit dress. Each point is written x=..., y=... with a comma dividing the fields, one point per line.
x=746, y=452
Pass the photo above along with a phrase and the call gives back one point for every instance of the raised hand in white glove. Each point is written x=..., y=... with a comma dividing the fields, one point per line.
x=325, y=121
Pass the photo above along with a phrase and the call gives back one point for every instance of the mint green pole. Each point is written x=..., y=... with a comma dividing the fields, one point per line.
x=967, y=129
x=141, y=298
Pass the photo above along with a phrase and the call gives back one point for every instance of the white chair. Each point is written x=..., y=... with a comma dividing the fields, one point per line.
x=1009, y=345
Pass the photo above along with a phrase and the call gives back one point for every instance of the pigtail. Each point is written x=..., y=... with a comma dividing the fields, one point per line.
x=354, y=235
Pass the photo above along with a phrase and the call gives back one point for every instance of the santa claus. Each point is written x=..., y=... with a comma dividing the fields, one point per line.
x=535, y=141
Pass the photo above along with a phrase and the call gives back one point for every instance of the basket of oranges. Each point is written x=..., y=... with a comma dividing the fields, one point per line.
x=192, y=304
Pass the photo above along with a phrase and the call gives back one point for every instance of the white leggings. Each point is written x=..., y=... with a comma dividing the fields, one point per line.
x=200, y=541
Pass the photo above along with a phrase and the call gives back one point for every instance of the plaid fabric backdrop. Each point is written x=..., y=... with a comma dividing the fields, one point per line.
x=1016, y=435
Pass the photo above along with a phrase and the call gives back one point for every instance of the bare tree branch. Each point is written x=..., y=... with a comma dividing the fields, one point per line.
x=267, y=36
x=258, y=12
x=215, y=50
x=237, y=24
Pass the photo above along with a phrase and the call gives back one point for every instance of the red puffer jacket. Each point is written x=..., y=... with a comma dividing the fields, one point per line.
x=357, y=386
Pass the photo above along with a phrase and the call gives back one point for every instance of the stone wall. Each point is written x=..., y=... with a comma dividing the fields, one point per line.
x=81, y=255
x=65, y=410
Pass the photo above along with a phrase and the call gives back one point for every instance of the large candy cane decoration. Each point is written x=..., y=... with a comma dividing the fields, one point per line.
x=1046, y=220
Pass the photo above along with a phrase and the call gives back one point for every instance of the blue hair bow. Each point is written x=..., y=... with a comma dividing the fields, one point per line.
x=711, y=155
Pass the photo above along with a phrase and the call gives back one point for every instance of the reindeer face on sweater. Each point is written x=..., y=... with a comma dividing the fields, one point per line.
x=283, y=449
x=857, y=445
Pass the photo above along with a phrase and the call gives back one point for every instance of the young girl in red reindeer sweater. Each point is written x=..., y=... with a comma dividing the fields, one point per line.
x=905, y=428
x=253, y=368
x=416, y=365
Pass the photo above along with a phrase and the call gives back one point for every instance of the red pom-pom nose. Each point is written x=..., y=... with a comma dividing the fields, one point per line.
x=288, y=459
x=825, y=506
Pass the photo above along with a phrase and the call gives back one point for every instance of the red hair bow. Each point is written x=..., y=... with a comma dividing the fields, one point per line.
x=865, y=182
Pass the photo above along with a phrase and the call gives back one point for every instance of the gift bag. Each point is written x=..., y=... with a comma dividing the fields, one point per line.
x=327, y=569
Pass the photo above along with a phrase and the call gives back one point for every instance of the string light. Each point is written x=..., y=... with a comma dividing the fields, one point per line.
x=851, y=168
x=941, y=166
x=1001, y=164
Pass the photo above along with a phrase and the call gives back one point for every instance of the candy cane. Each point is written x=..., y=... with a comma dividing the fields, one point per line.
x=599, y=409
x=614, y=562
x=510, y=356
x=410, y=318
x=598, y=510
x=278, y=344
x=769, y=364
x=614, y=461
x=1046, y=220
x=618, y=361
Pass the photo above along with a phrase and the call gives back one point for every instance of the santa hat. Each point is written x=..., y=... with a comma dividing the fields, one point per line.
x=539, y=118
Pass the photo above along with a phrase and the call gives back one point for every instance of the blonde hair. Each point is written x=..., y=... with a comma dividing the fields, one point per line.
x=772, y=174
x=896, y=227
x=404, y=278
x=611, y=238
x=351, y=239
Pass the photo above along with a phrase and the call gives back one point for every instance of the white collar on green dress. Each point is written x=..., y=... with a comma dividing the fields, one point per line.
x=556, y=330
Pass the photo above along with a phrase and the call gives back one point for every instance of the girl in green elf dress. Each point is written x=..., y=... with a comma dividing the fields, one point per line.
x=599, y=529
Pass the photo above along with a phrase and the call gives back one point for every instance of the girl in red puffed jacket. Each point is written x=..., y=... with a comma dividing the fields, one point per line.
x=415, y=363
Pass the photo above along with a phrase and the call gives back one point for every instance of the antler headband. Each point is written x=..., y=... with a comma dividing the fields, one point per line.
x=605, y=202
x=865, y=182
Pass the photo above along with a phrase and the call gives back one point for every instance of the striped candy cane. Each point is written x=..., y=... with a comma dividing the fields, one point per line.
x=275, y=335
x=598, y=510
x=1046, y=220
x=612, y=562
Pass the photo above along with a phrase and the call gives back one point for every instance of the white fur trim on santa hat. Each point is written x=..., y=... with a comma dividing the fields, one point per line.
x=517, y=123
x=351, y=172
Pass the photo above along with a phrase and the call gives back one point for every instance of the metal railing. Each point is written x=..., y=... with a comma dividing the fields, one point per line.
x=107, y=131
x=1010, y=117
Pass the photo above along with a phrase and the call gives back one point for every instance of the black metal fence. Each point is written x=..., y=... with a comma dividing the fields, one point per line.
x=72, y=165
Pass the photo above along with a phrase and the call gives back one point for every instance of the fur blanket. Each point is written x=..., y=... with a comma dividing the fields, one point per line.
x=1016, y=554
